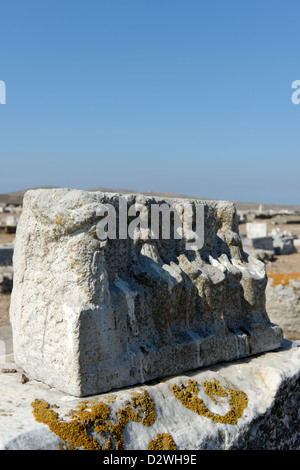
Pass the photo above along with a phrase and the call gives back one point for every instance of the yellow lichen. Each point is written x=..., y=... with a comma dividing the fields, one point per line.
x=187, y=395
x=145, y=406
x=213, y=388
x=141, y=411
x=162, y=442
x=93, y=419
x=60, y=220
x=73, y=434
x=283, y=278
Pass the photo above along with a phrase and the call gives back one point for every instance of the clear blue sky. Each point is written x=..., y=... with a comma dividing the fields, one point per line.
x=184, y=96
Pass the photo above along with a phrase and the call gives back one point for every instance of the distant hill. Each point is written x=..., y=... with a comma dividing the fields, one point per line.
x=239, y=205
x=16, y=198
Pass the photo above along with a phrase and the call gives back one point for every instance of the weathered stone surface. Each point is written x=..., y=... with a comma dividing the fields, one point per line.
x=266, y=256
x=262, y=243
x=256, y=229
x=284, y=245
x=249, y=404
x=89, y=316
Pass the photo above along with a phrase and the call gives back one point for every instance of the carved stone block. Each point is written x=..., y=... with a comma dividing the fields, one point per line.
x=91, y=315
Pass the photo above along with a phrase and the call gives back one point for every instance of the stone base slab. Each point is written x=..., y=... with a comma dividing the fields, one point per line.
x=247, y=404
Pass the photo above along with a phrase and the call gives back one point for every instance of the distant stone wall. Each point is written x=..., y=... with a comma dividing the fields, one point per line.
x=6, y=279
x=6, y=254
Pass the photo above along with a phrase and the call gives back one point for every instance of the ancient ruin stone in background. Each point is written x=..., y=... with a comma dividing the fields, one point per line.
x=89, y=315
x=283, y=302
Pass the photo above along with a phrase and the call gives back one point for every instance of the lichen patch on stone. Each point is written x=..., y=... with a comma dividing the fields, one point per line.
x=91, y=426
x=187, y=395
x=162, y=441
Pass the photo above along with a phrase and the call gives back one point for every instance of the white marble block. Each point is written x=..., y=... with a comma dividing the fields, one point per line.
x=89, y=316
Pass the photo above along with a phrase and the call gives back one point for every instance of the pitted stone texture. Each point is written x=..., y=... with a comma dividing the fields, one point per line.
x=89, y=316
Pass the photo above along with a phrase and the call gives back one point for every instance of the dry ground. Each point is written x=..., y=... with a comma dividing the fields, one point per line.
x=285, y=264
